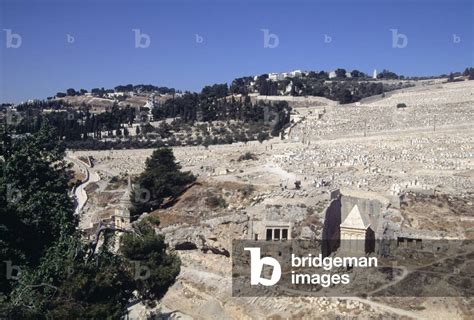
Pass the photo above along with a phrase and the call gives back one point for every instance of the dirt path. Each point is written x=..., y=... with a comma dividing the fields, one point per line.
x=80, y=193
x=394, y=282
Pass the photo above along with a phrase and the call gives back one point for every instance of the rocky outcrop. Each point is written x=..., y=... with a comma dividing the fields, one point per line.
x=202, y=236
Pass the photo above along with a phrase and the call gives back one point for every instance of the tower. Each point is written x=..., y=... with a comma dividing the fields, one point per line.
x=122, y=213
x=374, y=75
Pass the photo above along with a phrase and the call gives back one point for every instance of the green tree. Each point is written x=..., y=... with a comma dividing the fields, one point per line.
x=154, y=269
x=262, y=136
x=386, y=74
x=162, y=179
x=466, y=72
x=61, y=276
x=39, y=208
x=71, y=283
x=39, y=238
x=451, y=77
x=71, y=92
x=340, y=73
x=207, y=141
x=344, y=96
x=357, y=74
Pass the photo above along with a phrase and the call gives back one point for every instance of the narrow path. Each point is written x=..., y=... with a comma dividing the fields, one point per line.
x=397, y=311
x=373, y=304
x=79, y=192
x=394, y=282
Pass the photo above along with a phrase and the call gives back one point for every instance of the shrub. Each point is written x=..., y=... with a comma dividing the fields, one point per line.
x=216, y=201
x=262, y=136
x=247, y=156
x=153, y=220
x=247, y=190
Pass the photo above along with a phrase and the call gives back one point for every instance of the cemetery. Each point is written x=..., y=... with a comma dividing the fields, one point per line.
x=362, y=171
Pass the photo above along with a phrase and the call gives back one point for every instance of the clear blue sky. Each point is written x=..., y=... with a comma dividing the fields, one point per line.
x=104, y=54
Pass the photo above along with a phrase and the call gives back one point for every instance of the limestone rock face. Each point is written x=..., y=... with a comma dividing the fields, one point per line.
x=205, y=235
x=307, y=233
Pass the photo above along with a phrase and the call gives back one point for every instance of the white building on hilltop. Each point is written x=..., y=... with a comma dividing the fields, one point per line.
x=275, y=76
x=296, y=73
x=374, y=75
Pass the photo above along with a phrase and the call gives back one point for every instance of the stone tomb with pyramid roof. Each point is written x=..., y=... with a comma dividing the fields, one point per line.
x=357, y=220
x=354, y=232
